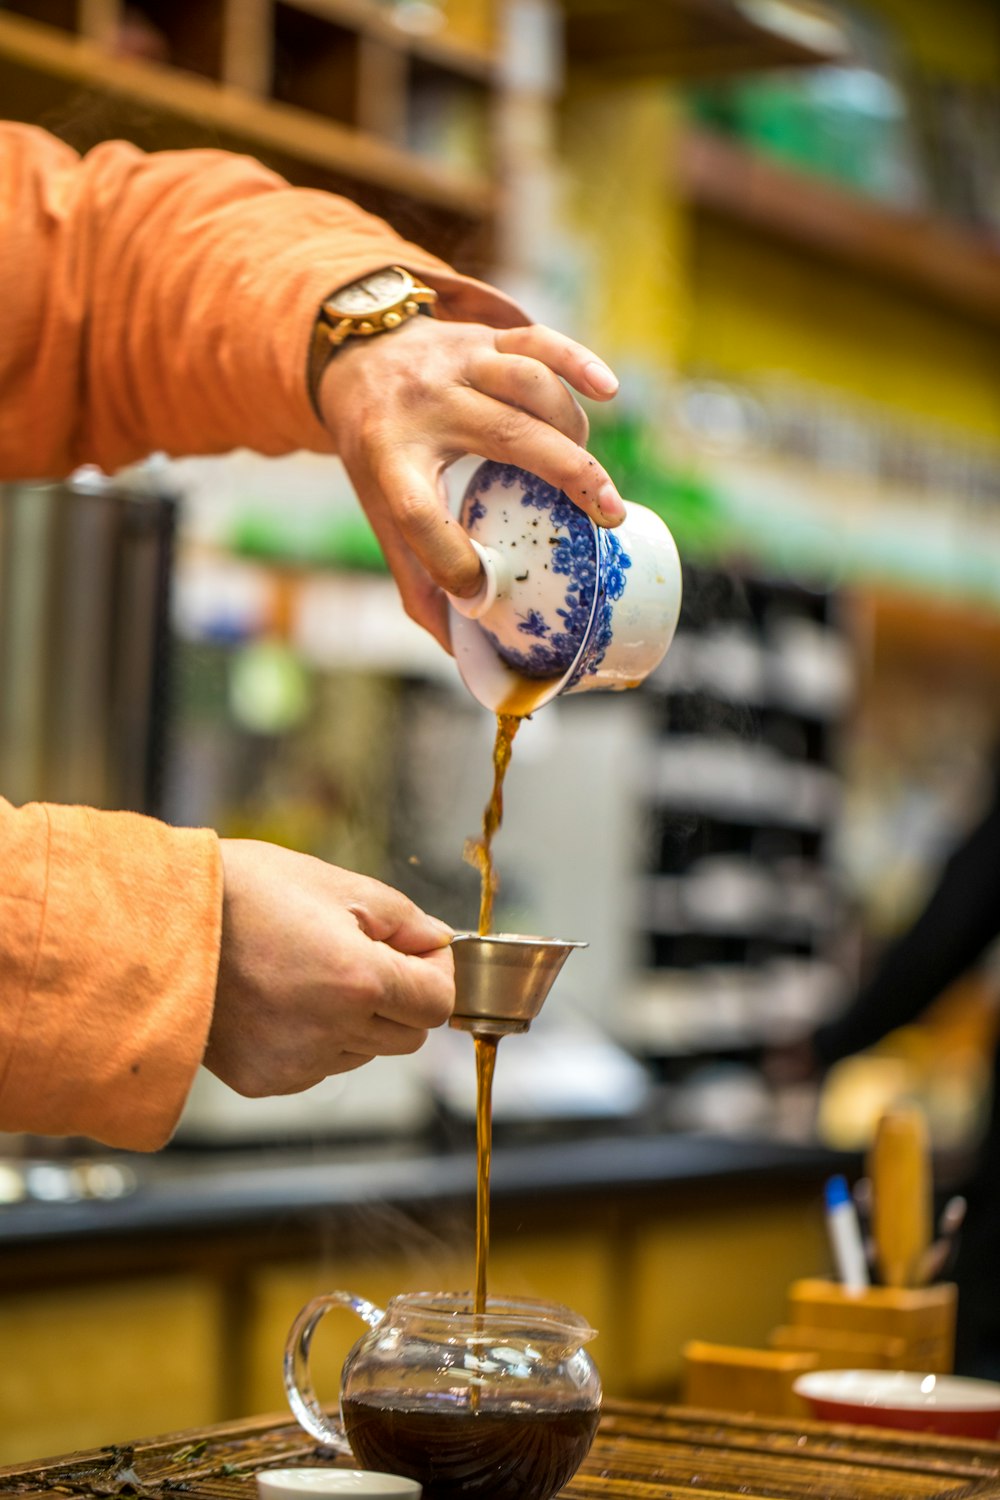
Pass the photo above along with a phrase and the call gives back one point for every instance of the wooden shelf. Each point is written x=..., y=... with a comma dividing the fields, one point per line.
x=371, y=20
x=40, y=64
x=926, y=255
x=686, y=39
x=928, y=629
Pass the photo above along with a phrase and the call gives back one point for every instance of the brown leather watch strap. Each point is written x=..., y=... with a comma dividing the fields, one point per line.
x=321, y=351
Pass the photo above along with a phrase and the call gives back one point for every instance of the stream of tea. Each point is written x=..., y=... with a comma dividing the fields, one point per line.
x=486, y=1057
x=479, y=853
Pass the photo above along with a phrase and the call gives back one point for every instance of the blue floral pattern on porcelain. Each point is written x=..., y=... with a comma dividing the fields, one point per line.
x=574, y=630
x=614, y=562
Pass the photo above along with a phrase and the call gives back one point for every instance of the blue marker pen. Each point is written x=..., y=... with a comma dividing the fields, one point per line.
x=845, y=1236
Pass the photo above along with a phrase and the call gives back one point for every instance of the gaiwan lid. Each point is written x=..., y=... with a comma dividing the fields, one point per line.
x=565, y=605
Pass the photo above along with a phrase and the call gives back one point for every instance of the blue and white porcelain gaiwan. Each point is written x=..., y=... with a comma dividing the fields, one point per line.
x=565, y=606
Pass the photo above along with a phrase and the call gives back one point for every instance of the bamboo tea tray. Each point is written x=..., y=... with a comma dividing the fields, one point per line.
x=641, y=1453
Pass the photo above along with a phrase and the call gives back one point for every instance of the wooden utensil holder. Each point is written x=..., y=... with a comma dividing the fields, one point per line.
x=901, y=1328
x=719, y=1377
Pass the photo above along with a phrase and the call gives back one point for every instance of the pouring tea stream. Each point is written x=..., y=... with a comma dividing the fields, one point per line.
x=564, y=607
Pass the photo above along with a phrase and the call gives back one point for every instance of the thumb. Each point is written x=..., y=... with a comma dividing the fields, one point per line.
x=422, y=599
x=387, y=916
x=418, y=503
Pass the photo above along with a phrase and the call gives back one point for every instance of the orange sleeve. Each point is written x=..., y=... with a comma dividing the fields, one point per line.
x=159, y=302
x=109, y=939
x=164, y=302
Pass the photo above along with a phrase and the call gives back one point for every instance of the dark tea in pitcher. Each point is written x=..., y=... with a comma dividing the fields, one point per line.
x=466, y=1453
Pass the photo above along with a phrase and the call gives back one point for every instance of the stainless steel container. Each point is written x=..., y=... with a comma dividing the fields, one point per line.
x=84, y=587
x=502, y=979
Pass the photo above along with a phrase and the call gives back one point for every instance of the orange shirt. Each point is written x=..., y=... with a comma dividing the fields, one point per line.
x=151, y=303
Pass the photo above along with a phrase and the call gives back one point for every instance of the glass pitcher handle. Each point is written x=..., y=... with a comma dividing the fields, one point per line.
x=298, y=1384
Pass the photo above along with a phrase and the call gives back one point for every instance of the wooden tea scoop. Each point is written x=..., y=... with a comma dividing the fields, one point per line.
x=902, y=1213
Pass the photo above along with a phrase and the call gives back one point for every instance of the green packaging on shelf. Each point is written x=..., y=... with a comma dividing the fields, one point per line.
x=344, y=541
x=687, y=500
x=851, y=125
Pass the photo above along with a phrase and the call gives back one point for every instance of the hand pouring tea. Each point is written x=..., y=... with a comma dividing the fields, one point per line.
x=501, y=1405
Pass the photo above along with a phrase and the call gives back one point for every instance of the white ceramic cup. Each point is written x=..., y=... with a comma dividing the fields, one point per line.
x=565, y=606
x=315, y=1483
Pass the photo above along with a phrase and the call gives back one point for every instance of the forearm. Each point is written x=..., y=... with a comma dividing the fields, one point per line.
x=165, y=301
x=109, y=944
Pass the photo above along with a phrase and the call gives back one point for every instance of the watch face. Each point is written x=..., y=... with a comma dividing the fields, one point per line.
x=372, y=294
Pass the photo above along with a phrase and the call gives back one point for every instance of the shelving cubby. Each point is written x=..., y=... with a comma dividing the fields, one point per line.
x=737, y=906
x=331, y=93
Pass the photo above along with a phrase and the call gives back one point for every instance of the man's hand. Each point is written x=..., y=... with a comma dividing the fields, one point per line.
x=321, y=970
x=402, y=406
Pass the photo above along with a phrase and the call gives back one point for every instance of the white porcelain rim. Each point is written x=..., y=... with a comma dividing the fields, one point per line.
x=313, y=1481
x=900, y=1390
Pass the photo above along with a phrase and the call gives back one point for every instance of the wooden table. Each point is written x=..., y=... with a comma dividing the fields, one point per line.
x=641, y=1452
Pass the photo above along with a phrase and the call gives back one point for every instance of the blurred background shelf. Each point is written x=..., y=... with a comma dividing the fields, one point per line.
x=924, y=253
x=374, y=21
x=801, y=668
x=685, y=39
x=741, y=783
x=400, y=130
x=732, y=897
x=964, y=631
x=739, y=911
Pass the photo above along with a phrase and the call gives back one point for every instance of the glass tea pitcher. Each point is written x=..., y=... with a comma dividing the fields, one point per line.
x=503, y=1403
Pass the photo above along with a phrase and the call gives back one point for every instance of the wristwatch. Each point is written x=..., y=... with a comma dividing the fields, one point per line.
x=373, y=304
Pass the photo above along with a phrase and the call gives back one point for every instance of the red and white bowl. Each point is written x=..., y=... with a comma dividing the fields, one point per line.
x=951, y=1404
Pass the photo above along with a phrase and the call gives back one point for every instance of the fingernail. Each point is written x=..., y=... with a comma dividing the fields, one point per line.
x=610, y=503
x=444, y=930
x=601, y=378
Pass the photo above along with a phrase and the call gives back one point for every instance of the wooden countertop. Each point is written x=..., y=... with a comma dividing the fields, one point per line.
x=641, y=1453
